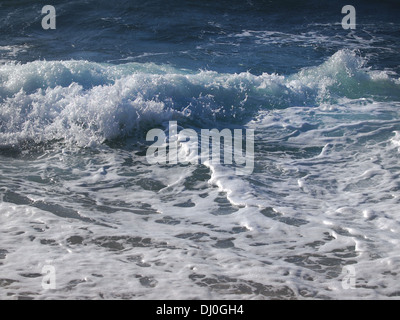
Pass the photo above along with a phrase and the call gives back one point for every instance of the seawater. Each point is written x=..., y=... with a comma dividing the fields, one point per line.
x=78, y=195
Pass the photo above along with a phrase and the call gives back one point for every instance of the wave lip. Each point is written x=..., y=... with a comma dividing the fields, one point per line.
x=85, y=103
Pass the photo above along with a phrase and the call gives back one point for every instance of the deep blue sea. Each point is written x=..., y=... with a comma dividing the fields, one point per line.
x=84, y=215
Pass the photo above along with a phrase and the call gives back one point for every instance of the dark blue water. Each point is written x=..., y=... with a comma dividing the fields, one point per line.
x=203, y=35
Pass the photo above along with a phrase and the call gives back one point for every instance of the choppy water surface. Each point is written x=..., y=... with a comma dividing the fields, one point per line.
x=78, y=194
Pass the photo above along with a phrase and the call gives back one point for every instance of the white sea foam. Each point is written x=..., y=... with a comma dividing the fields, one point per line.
x=353, y=40
x=323, y=194
x=84, y=103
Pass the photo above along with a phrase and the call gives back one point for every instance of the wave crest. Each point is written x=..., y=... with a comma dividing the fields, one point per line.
x=85, y=103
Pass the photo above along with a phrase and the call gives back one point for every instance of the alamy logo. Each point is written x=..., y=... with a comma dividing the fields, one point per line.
x=208, y=150
x=49, y=278
x=349, y=20
x=349, y=277
x=49, y=20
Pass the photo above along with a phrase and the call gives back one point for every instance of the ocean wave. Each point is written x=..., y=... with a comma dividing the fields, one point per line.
x=85, y=103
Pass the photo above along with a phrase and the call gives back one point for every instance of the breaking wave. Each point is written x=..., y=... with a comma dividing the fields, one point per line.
x=84, y=103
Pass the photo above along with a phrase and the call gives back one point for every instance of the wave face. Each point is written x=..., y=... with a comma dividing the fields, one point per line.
x=317, y=217
x=82, y=103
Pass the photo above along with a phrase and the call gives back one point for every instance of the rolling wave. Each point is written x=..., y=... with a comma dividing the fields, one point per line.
x=85, y=103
